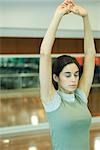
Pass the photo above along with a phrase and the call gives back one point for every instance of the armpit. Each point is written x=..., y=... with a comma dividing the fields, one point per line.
x=53, y=104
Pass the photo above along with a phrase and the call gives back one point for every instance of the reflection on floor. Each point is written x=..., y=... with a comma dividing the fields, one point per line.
x=29, y=110
x=95, y=140
x=41, y=142
x=21, y=111
x=29, y=142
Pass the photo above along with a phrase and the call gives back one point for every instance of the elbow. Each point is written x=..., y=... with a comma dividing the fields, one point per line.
x=44, y=51
x=90, y=56
x=94, y=53
x=91, y=53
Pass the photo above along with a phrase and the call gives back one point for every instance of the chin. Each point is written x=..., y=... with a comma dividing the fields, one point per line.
x=72, y=90
x=68, y=90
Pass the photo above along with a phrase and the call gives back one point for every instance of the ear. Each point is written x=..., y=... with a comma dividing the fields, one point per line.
x=55, y=77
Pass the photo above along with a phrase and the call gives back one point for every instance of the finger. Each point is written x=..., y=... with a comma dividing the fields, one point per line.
x=64, y=5
x=74, y=10
x=68, y=1
x=72, y=1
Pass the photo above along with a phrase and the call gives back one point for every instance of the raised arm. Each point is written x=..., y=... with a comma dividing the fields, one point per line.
x=48, y=40
x=45, y=73
x=89, y=51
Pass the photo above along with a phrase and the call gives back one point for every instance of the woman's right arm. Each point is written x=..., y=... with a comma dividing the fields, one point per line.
x=45, y=71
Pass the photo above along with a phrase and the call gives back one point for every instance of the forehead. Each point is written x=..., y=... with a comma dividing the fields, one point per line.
x=70, y=68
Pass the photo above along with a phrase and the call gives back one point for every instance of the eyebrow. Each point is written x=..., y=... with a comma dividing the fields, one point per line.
x=70, y=72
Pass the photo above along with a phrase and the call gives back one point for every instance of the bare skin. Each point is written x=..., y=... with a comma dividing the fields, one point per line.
x=46, y=88
x=68, y=78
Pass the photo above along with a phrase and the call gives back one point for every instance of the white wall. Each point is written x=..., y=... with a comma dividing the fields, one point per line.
x=31, y=19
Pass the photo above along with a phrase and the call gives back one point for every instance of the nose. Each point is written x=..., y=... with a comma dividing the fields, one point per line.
x=73, y=78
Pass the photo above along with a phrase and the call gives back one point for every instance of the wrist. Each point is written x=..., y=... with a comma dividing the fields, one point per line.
x=58, y=14
x=86, y=16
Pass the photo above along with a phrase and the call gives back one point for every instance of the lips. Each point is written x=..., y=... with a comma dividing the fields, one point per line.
x=73, y=86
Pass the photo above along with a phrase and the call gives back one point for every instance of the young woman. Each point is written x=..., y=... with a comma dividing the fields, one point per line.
x=64, y=91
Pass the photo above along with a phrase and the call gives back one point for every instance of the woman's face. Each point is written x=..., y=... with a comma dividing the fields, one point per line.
x=68, y=78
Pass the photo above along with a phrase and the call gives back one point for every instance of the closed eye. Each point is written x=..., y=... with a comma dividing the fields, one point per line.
x=68, y=74
x=76, y=74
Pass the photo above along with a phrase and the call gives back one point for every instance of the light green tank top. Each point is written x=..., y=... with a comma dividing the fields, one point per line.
x=69, y=124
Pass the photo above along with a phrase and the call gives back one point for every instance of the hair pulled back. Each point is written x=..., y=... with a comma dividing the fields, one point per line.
x=58, y=65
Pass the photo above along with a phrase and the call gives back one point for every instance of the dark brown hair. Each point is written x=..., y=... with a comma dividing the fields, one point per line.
x=59, y=63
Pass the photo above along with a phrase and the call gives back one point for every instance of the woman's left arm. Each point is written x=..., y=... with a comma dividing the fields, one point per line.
x=86, y=79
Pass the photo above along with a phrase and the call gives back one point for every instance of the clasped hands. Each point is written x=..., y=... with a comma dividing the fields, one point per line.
x=69, y=6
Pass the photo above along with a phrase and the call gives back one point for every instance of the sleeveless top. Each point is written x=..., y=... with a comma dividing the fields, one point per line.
x=69, y=121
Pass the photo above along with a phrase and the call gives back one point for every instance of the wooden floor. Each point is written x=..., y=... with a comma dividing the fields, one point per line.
x=41, y=141
x=19, y=112
x=95, y=140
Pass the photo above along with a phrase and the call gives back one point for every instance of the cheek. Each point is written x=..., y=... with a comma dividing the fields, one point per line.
x=64, y=81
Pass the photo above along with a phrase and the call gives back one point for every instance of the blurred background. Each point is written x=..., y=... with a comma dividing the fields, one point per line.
x=23, y=122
